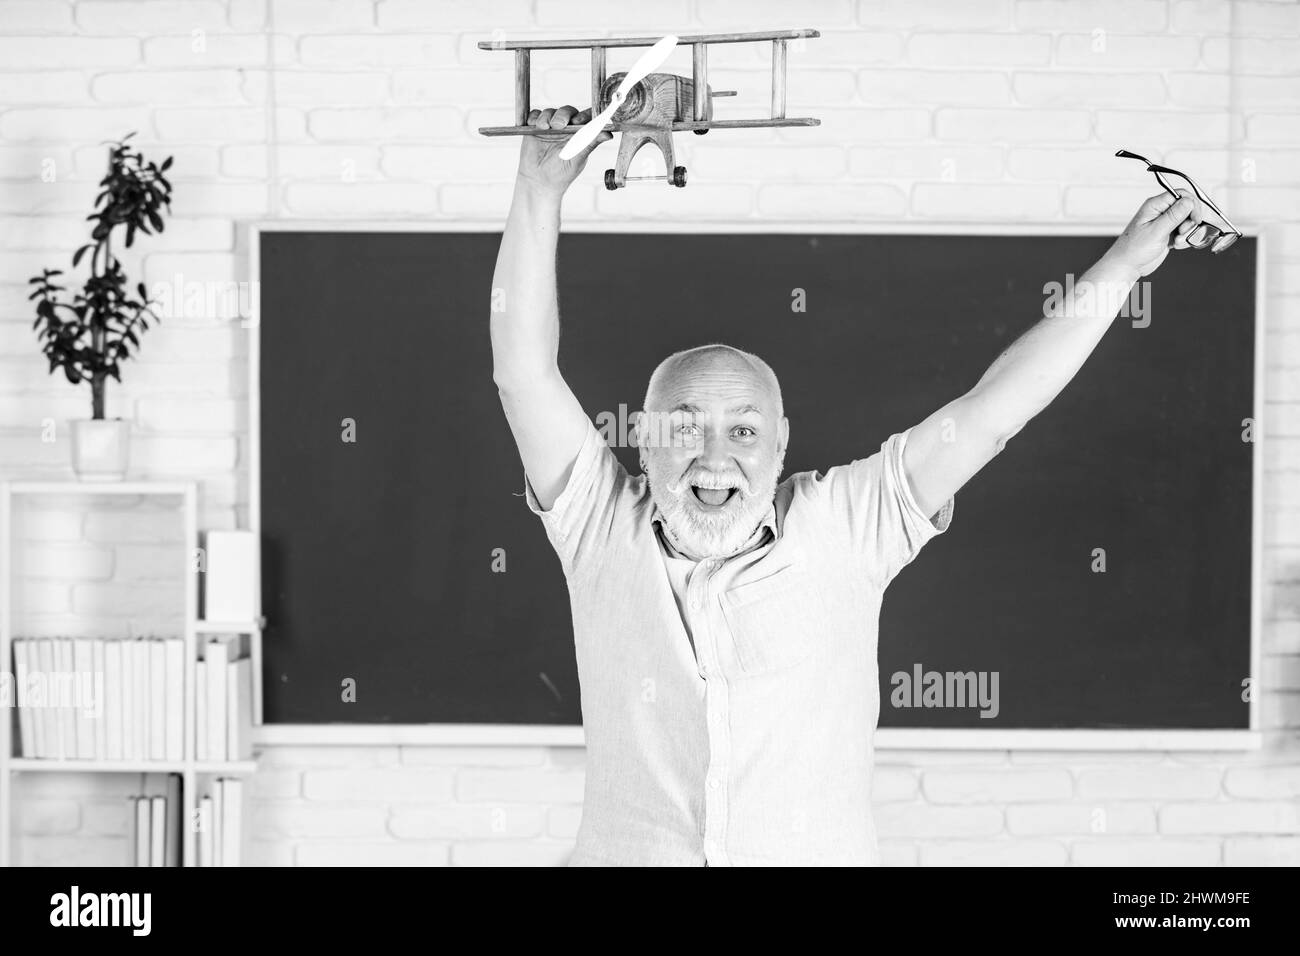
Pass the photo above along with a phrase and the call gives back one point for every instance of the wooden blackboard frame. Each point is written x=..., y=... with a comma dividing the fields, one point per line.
x=887, y=738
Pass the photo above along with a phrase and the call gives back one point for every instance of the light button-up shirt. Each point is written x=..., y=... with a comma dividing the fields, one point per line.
x=729, y=704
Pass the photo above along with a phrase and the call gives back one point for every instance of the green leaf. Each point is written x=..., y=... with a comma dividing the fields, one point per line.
x=167, y=163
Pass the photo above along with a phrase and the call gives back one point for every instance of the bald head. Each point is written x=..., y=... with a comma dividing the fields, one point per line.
x=726, y=365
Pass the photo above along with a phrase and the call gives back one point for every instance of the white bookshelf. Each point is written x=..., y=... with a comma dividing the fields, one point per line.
x=189, y=768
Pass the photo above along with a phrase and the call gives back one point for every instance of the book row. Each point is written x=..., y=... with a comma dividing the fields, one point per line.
x=124, y=699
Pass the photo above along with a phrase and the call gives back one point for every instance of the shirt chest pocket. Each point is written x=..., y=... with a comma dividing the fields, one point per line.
x=773, y=621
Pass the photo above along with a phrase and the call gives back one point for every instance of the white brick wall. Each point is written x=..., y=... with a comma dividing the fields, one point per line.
x=933, y=110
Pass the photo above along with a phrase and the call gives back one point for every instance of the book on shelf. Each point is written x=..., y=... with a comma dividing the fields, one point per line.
x=143, y=830
x=66, y=707
x=239, y=710
x=174, y=699
x=157, y=655
x=49, y=714
x=220, y=823
x=26, y=715
x=232, y=798
x=113, y=693
x=176, y=814
x=100, y=712
x=130, y=750
x=230, y=578
x=206, y=842
x=218, y=817
x=216, y=654
x=140, y=655
x=158, y=831
x=201, y=710
x=83, y=719
x=158, y=818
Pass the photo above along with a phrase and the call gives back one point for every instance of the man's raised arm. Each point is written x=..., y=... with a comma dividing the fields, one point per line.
x=948, y=448
x=545, y=417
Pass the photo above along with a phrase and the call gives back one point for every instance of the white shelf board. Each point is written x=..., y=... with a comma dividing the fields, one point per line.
x=227, y=627
x=29, y=764
x=100, y=487
x=223, y=766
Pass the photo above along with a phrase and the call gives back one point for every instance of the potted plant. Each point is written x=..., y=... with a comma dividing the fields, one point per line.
x=89, y=336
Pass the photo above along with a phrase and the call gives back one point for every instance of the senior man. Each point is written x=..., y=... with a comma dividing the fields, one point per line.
x=725, y=621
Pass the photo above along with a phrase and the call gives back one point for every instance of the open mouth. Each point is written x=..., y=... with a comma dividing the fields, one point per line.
x=714, y=497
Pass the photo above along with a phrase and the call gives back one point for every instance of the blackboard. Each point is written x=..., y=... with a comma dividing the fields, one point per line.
x=378, y=553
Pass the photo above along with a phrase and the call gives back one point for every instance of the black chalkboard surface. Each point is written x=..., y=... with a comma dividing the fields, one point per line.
x=378, y=554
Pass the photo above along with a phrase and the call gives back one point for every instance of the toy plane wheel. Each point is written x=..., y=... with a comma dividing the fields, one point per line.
x=610, y=182
x=699, y=132
x=679, y=176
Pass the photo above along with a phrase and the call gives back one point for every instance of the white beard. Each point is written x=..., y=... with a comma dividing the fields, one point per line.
x=720, y=534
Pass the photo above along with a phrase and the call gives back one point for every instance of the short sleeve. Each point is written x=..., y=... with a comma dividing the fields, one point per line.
x=576, y=524
x=871, y=500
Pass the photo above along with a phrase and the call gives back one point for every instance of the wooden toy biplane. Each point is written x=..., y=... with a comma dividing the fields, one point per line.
x=645, y=106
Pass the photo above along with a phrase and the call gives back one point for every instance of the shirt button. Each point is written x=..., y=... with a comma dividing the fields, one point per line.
x=714, y=783
x=704, y=670
x=560, y=536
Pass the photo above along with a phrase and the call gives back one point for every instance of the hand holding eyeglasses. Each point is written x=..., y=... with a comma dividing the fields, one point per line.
x=1202, y=234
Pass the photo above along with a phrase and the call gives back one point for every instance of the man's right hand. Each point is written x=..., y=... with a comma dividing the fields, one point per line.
x=540, y=166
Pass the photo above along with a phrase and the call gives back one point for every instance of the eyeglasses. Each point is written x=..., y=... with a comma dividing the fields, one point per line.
x=1209, y=235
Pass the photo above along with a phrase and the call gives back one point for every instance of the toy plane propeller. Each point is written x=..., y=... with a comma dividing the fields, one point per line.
x=645, y=106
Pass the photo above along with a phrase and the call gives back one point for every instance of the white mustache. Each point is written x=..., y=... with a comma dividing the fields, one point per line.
x=706, y=480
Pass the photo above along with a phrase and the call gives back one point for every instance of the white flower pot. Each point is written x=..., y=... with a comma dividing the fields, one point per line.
x=100, y=447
